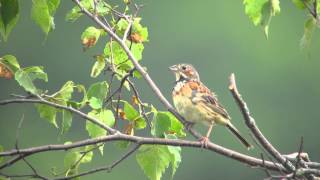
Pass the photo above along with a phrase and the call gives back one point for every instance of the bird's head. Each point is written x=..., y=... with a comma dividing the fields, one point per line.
x=184, y=72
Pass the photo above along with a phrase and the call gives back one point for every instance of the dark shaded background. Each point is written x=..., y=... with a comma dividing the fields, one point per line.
x=279, y=81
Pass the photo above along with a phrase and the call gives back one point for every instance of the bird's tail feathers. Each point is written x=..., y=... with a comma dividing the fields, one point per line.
x=235, y=131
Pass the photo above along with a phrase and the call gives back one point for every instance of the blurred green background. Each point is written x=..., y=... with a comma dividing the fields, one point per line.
x=279, y=81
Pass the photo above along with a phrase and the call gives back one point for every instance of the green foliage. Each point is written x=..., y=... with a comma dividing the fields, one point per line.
x=134, y=116
x=9, y=15
x=300, y=4
x=98, y=66
x=104, y=116
x=102, y=9
x=10, y=62
x=253, y=9
x=140, y=30
x=26, y=76
x=90, y=36
x=97, y=93
x=309, y=27
x=154, y=159
x=42, y=13
x=75, y=157
x=1, y=149
x=115, y=53
x=66, y=121
x=166, y=123
x=64, y=94
x=261, y=11
x=60, y=97
x=139, y=33
x=48, y=112
x=175, y=152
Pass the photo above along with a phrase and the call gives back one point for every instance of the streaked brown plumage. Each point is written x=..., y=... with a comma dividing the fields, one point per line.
x=196, y=103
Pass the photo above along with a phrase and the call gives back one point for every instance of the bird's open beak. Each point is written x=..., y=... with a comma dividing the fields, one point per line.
x=174, y=68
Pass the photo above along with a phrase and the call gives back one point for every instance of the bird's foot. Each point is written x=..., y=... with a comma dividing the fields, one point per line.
x=204, y=142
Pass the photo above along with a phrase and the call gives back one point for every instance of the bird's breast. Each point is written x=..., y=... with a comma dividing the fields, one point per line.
x=182, y=95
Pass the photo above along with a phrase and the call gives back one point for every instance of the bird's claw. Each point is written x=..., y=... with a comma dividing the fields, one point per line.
x=204, y=142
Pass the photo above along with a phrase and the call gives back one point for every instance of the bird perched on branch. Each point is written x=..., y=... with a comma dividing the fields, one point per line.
x=196, y=103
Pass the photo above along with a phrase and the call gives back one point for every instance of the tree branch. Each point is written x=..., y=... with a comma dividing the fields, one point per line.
x=144, y=140
x=250, y=122
x=104, y=168
x=43, y=101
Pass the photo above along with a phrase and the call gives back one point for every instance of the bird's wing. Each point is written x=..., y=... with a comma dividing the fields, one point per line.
x=200, y=93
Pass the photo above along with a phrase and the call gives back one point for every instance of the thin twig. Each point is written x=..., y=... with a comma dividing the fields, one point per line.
x=103, y=168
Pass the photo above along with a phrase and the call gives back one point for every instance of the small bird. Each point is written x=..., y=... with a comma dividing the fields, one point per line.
x=196, y=103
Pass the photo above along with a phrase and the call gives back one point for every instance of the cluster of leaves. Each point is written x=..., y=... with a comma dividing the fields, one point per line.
x=261, y=12
x=153, y=159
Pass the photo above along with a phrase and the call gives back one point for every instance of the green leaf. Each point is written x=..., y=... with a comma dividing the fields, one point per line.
x=48, y=113
x=71, y=158
x=90, y=36
x=9, y=15
x=102, y=9
x=1, y=150
x=97, y=93
x=72, y=162
x=166, y=123
x=161, y=124
x=53, y=6
x=41, y=15
x=80, y=155
x=137, y=74
x=253, y=9
x=261, y=11
x=121, y=26
x=120, y=57
x=104, y=116
x=153, y=160
x=26, y=76
x=137, y=49
x=138, y=28
x=140, y=123
x=98, y=66
x=175, y=152
x=299, y=3
x=10, y=62
x=66, y=121
x=130, y=112
x=309, y=27
x=88, y=157
x=65, y=93
x=133, y=115
x=81, y=89
x=75, y=157
x=266, y=18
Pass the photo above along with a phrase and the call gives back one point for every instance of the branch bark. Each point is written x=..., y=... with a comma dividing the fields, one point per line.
x=250, y=122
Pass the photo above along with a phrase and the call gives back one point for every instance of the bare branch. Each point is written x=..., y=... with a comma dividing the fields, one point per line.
x=250, y=122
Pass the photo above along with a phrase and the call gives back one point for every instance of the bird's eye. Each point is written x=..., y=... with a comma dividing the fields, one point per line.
x=184, y=67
